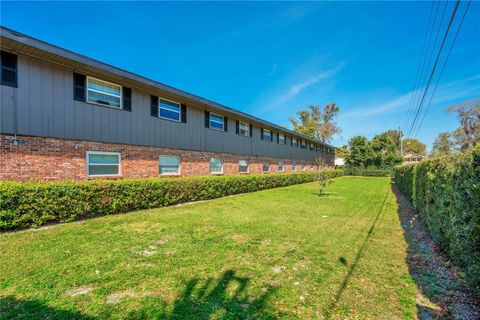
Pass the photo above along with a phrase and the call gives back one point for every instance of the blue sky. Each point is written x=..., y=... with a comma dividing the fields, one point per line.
x=271, y=59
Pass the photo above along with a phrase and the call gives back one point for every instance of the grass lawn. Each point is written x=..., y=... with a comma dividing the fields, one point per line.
x=280, y=253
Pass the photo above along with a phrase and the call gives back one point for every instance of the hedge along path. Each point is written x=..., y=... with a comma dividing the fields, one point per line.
x=32, y=204
x=446, y=193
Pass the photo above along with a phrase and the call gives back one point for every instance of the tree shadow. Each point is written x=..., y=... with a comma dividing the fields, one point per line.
x=223, y=298
x=443, y=294
x=331, y=307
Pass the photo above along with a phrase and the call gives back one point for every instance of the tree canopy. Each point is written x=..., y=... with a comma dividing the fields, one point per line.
x=443, y=145
x=414, y=145
x=316, y=122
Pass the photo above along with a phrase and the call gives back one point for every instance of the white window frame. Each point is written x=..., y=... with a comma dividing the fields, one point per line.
x=179, y=109
x=284, y=138
x=248, y=167
x=210, y=121
x=104, y=164
x=210, y=166
x=303, y=167
x=283, y=166
x=170, y=173
x=294, y=166
x=247, y=130
x=263, y=135
x=268, y=167
x=302, y=143
x=105, y=93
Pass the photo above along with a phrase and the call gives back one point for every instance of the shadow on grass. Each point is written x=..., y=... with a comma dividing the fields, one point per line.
x=330, y=308
x=223, y=298
x=443, y=294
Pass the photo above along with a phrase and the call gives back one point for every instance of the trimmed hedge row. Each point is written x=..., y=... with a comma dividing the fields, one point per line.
x=367, y=172
x=33, y=204
x=446, y=193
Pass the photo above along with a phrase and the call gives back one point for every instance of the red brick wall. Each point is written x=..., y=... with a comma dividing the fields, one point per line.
x=56, y=159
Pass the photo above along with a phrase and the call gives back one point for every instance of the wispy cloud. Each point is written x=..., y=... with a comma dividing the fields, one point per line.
x=274, y=70
x=447, y=92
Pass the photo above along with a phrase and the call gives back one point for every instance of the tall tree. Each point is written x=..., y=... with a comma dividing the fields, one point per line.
x=386, y=149
x=316, y=122
x=468, y=134
x=414, y=145
x=342, y=152
x=360, y=152
x=443, y=145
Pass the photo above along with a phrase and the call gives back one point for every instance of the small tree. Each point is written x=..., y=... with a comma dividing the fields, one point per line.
x=322, y=177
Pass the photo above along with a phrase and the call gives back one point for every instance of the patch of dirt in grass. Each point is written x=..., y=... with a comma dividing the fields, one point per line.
x=116, y=297
x=79, y=291
x=240, y=238
x=444, y=294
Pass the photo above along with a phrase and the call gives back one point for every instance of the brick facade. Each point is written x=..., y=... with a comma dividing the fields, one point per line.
x=50, y=159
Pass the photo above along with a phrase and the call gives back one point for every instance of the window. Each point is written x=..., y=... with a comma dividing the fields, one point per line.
x=216, y=165
x=216, y=122
x=266, y=167
x=267, y=135
x=303, y=167
x=169, y=165
x=281, y=166
x=294, y=142
x=103, y=164
x=243, y=166
x=104, y=93
x=303, y=144
x=281, y=138
x=169, y=110
x=8, y=69
x=294, y=166
x=243, y=129
x=311, y=146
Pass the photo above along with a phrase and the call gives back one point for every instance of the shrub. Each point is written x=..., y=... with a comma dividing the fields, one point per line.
x=446, y=193
x=33, y=204
x=367, y=172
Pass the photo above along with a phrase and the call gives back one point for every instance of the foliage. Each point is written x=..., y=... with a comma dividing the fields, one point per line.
x=443, y=145
x=316, y=123
x=250, y=256
x=415, y=146
x=382, y=152
x=33, y=204
x=367, y=172
x=342, y=152
x=468, y=133
x=446, y=193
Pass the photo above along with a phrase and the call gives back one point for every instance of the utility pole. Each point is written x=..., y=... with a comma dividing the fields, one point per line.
x=401, y=142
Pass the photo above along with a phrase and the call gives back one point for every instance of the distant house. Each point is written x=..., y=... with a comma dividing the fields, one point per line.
x=64, y=116
x=412, y=157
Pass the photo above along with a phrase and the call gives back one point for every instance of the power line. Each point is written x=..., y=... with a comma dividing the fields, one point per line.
x=407, y=118
x=443, y=67
x=433, y=69
x=422, y=61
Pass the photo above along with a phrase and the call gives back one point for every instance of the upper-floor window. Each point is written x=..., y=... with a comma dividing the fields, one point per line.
x=169, y=110
x=216, y=165
x=243, y=129
x=8, y=69
x=303, y=144
x=281, y=166
x=169, y=165
x=103, y=163
x=243, y=166
x=266, y=134
x=281, y=138
x=104, y=93
x=294, y=142
x=311, y=146
x=216, y=122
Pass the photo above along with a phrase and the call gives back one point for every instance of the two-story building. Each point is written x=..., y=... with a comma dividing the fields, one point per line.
x=64, y=116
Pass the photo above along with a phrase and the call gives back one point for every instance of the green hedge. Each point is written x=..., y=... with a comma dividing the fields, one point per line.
x=446, y=193
x=33, y=204
x=367, y=172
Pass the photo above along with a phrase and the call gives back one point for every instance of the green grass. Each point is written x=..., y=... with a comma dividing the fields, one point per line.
x=280, y=253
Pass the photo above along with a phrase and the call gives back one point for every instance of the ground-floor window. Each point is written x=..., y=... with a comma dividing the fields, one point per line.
x=303, y=167
x=243, y=166
x=101, y=163
x=169, y=165
x=266, y=167
x=294, y=166
x=216, y=165
x=281, y=166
